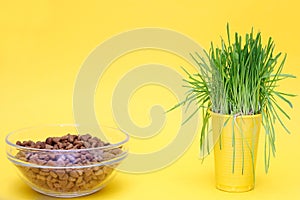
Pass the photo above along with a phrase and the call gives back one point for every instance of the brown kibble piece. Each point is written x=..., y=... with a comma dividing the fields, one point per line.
x=77, y=160
x=60, y=172
x=41, y=162
x=80, y=184
x=63, y=183
x=35, y=170
x=88, y=172
x=116, y=151
x=51, y=163
x=40, y=177
x=72, y=138
x=60, y=145
x=44, y=173
x=55, y=139
x=99, y=172
x=95, y=169
x=78, y=142
x=57, y=185
x=49, y=178
x=49, y=141
x=85, y=137
x=70, y=146
x=79, y=180
x=87, y=178
x=83, y=157
x=107, y=155
x=72, y=179
x=86, y=144
x=70, y=185
x=64, y=177
x=74, y=174
x=23, y=159
x=48, y=146
x=60, y=162
x=49, y=184
x=65, y=137
x=107, y=170
x=80, y=172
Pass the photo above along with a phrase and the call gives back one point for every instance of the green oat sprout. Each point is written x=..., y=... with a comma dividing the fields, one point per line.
x=242, y=78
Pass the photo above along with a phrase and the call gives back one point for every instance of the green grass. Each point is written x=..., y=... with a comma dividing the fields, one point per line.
x=241, y=78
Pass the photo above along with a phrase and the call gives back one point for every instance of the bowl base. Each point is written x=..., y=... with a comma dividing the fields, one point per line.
x=69, y=195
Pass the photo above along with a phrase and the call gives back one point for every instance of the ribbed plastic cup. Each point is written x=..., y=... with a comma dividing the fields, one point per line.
x=235, y=151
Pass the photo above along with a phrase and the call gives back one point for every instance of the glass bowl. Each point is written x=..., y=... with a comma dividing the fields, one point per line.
x=66, y=173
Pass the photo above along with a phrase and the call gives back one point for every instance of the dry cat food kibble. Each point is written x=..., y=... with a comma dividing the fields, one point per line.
x=65, y=142
x=54, y=169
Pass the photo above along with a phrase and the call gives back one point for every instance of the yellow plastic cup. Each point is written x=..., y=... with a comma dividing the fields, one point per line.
x=235, y=151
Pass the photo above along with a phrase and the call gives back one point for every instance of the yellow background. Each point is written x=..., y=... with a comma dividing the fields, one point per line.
x=44, y=43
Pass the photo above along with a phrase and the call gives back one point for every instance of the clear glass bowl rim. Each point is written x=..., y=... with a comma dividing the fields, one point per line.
x=111, y=145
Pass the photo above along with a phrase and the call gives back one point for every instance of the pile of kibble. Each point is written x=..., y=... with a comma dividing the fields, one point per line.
x=64, y=178
x=65, y=142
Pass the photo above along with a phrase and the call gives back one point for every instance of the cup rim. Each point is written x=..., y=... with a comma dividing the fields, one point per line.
x=229, y=116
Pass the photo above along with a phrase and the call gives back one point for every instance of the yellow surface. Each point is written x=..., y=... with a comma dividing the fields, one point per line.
x=44, y=43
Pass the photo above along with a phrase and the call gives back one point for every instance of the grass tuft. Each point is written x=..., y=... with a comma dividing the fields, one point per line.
x=241, y=78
